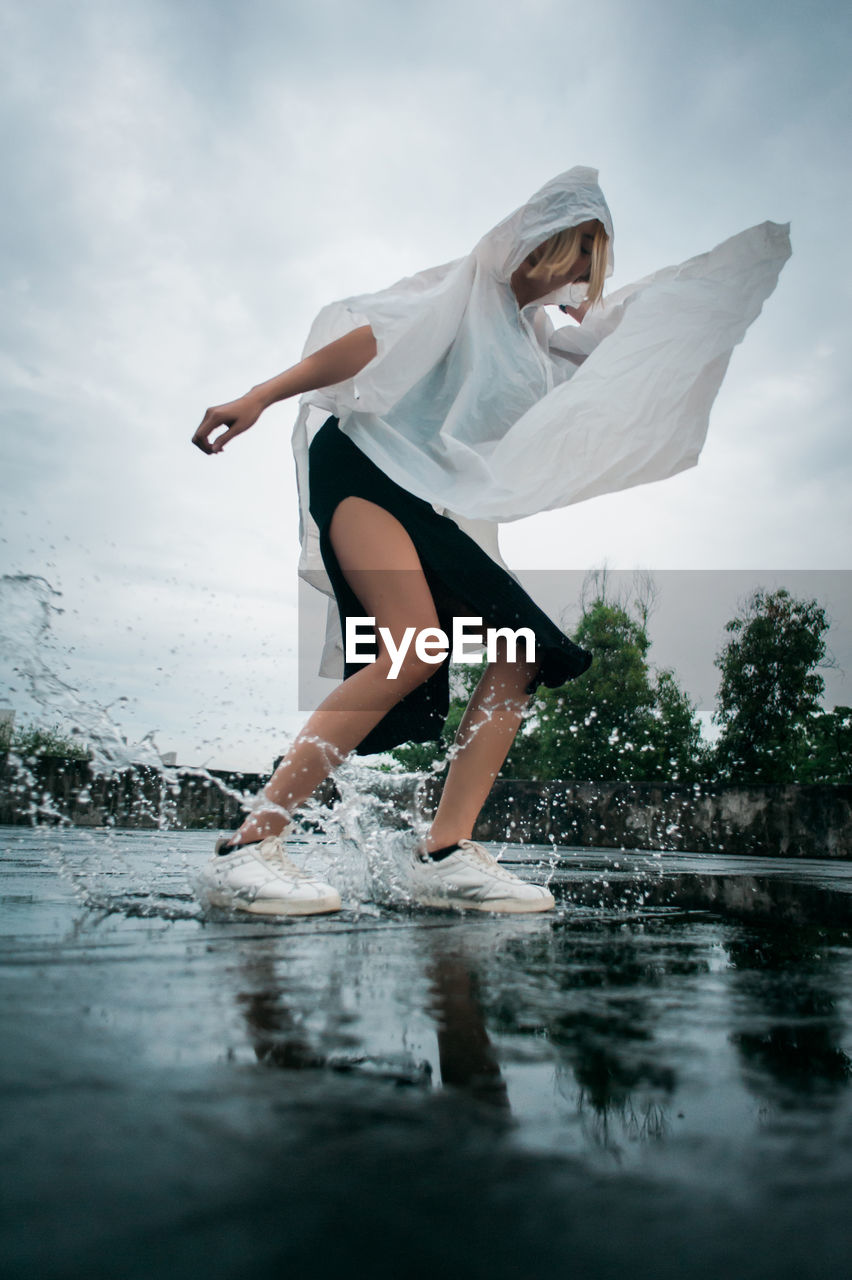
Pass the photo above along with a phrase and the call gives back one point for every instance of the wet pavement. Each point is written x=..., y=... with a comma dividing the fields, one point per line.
x=655, y=1080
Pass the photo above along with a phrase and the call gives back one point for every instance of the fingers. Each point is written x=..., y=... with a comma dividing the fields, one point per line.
x=212, y=420
x=202, y=432
x=219, y=443
x=236, y=417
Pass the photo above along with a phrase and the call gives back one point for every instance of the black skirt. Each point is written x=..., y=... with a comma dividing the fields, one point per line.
x=463, y=580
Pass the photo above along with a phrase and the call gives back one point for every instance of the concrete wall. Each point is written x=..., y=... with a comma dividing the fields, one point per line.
x=59, y=790
x=781, y=821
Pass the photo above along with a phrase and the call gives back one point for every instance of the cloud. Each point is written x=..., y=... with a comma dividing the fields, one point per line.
x=192, y=182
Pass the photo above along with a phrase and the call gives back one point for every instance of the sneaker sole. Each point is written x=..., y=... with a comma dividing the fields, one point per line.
x=276, y=906
x=504, y=906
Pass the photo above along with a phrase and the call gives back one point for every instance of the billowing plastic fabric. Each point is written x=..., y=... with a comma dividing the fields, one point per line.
x=491, y=414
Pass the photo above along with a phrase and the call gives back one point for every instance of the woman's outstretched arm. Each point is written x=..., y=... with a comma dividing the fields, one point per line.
x=335, y=363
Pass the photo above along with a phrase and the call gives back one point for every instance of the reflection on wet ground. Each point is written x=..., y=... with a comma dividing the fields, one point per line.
x=652, y=1081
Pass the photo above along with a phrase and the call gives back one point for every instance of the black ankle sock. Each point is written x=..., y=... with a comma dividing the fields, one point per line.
x=438, y=855
x=232, y=848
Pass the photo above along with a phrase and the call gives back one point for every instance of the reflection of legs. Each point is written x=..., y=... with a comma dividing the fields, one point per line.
x=487, y=731
x=467, y=1056
x=365, y=538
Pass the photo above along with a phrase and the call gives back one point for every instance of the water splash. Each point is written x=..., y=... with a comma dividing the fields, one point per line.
x=100, y=877
x=369, y=833
x=28, y=605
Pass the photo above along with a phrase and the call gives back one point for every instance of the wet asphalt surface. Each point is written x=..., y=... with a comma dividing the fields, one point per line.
x=654, y=1080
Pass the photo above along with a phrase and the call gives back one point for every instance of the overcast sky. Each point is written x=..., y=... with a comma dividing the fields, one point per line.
x=186, y=184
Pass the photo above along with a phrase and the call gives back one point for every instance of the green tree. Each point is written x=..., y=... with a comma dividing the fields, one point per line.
x=598, y=726
x=33, y=740
x=680, y=753
x=770, y=691
x=830, y=747
x=616, y=721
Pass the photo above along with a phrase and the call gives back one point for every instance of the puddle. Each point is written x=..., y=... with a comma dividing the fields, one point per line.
x=654, y=1077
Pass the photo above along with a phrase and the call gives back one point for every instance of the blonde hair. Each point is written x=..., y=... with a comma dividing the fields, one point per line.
x=561, y=251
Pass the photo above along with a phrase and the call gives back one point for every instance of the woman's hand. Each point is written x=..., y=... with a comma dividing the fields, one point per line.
x=237, y=416
x=334, y=363
x=576, y=313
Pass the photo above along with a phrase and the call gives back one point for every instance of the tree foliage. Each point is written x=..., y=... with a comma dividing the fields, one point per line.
x=34, y=740
x=830, y=747
x=618, y=721
x=769, y=697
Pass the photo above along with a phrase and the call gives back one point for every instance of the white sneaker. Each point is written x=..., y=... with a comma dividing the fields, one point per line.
x=262, y=879
x=473, y=879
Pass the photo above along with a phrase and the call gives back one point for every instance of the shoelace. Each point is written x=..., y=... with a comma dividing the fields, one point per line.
x=274, y=852
x=487, y=859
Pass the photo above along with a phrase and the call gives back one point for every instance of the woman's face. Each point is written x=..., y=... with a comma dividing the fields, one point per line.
x=529, y=288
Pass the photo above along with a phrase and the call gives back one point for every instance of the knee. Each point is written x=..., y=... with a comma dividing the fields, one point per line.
x=405, y=674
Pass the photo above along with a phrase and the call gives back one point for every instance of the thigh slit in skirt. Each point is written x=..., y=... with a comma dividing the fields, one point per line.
x=463, y=580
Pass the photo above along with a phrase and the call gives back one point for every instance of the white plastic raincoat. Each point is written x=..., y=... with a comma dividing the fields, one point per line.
x=490, y=414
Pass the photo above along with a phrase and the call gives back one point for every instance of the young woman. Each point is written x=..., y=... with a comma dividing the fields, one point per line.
x=452, y=404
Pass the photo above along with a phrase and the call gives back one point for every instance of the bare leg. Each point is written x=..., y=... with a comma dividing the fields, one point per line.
x=487, y=731
x=394, y=590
